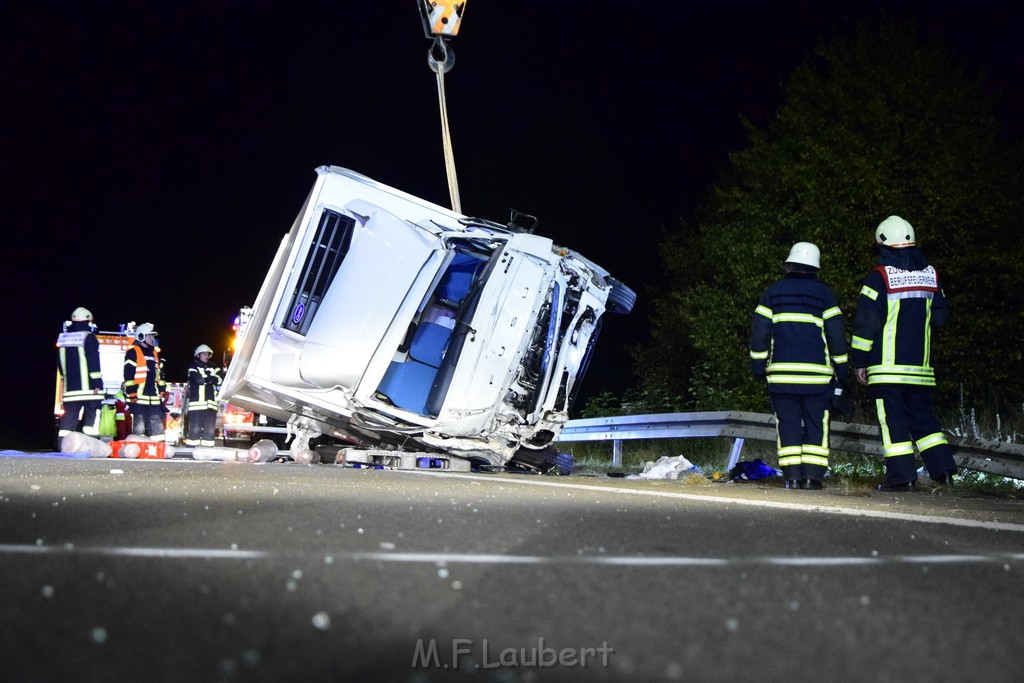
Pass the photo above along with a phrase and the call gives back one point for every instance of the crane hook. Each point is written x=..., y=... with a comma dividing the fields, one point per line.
x=440, y=56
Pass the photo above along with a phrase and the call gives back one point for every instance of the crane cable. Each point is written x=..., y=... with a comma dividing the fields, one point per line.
x=440, y=57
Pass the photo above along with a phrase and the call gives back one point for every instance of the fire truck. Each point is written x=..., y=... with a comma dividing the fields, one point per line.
x=113, y=346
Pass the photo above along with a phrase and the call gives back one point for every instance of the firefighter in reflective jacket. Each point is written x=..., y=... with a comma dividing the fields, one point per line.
x=899, y=304
x=78, y=362
x=143, y=385
x=203, y=382
x=798, y=344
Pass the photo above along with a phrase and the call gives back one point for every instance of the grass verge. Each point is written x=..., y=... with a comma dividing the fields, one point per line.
x=852, y=474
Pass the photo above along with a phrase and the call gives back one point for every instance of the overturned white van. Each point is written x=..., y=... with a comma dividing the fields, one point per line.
x=388, y=321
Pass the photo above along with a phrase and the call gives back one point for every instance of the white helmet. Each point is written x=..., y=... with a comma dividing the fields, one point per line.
x=202, y=348
x=805, y=254
x=81, y=314
x=142, y=330
x=895, y=232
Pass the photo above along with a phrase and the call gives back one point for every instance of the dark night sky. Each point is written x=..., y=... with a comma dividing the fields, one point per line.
x=156, y=152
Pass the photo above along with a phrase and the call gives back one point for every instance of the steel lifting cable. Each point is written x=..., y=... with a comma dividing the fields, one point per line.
x=441, y=58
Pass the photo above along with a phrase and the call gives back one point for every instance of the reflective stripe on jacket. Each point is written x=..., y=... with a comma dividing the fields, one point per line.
x=202, y=395
x=892, y=330
x=78, y=362
x=798, y=337
x=142, y=375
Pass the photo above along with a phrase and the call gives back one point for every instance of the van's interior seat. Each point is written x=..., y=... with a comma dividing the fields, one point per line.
x=429, y=343
x=457, y=280
x=408, y=384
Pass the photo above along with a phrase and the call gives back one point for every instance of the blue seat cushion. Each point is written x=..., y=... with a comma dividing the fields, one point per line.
x=408, y=385
x=457, y=280
x=429, y=343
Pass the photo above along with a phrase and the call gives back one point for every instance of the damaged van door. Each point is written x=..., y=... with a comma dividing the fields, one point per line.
x=386, y=320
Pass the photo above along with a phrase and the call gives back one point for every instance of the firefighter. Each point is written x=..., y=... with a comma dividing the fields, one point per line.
x=900, y=302
x=203, y=382
x=144, y=386
x=78, y=362
x=798, y=344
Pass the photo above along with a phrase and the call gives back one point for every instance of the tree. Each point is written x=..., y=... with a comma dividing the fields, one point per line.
x=874, y=123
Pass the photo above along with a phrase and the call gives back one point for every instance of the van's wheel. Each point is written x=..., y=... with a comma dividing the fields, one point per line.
x=621, y=298
x=545, y=461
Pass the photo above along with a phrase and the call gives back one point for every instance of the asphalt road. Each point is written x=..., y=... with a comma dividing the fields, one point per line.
x=146, y=570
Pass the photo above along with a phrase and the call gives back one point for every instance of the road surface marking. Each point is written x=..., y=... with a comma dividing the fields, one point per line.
x=853, y=512
x=441, y=559
x=168, y=553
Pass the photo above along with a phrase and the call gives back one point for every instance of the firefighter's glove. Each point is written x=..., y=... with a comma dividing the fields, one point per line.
x=132, y=395
x=164, y=397
x=759, y=369
x=842, y=401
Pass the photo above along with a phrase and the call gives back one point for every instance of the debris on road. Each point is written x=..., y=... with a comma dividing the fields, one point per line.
x=667, y=467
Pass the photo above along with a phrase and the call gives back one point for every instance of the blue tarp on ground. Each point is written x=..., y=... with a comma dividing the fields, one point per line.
x=23, y=454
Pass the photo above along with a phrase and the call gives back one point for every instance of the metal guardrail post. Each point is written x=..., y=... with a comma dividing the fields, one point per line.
x=734, y=453
x=617, y=453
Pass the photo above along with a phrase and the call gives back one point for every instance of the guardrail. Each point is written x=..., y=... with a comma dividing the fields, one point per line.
x=983, y=455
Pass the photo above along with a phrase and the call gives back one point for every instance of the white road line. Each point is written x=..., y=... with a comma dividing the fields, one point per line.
x=170, y=553
x=445, y=559
x=853, y=512
x=442, y=559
